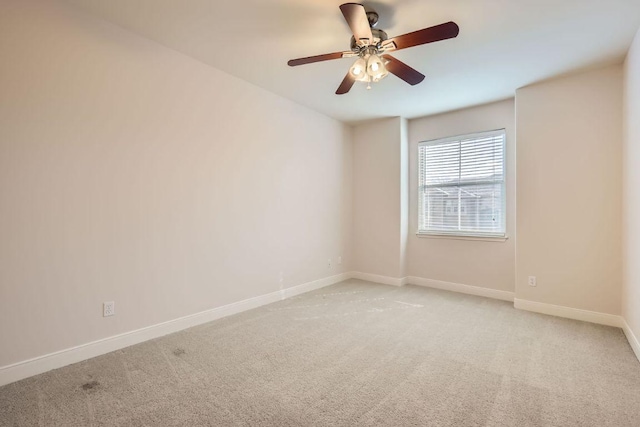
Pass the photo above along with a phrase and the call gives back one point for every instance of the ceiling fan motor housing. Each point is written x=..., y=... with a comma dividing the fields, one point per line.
x=378, y=37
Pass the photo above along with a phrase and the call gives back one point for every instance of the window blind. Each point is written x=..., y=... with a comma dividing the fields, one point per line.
x=462, y=186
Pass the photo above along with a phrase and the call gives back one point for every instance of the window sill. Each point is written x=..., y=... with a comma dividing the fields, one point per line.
x=462, y=237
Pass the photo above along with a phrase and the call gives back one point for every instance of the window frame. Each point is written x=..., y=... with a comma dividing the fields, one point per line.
x=465, y=234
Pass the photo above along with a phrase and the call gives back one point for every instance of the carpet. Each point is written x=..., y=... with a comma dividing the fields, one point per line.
x=352, y=354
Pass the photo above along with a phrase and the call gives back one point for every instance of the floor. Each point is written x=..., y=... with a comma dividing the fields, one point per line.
x=353, y=354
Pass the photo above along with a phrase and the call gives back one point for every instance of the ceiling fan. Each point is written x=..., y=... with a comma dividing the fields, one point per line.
x=370, y=46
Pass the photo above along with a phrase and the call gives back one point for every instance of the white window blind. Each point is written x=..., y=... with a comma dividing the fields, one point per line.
x=461, y=185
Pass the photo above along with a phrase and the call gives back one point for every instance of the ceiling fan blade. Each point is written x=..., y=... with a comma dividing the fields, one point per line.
x=444, y=31
x=402, y=70
x=357, y=19
x=346, y=84
x=316, y=58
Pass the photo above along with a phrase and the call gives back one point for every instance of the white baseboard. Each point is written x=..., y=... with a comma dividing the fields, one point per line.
x=385, y=280
x=633, y=340
x=309, y=286
x=437, y=284
x=38, y=365
x=569, y=313
x=463, y=289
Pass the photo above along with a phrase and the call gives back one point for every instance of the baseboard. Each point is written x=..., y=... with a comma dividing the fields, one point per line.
x=569, y=313
x=464, y=289
x=385, y=280
x=437, y=284
x=633, y=340
x=38, y=365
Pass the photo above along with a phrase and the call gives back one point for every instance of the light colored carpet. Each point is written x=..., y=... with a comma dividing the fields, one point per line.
x=353, y=354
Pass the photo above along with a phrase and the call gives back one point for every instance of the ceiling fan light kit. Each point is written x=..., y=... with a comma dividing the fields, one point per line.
x=369, y=67
x=369, y=45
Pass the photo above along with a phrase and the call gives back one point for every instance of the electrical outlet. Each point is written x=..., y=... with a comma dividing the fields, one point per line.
x=329, y=262
x=108, y=309
x=532, y=281
x=339, y=260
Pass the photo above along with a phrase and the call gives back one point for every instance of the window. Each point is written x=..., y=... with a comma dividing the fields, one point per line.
x=461, y=185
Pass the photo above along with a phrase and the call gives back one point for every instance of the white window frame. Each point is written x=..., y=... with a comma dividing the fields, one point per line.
x=465, y=234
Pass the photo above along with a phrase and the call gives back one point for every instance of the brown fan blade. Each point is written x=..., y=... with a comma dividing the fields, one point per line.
x=346, y=84
x=402, y=70
x=356, y=17
x=444, y=31
x=317, y=58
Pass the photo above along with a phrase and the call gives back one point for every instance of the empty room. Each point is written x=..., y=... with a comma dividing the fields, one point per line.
x=318, y=213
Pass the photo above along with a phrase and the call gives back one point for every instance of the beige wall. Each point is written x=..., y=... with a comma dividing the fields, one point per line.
x=631, y=182
x=130, y=172
x=569, y=190
x=377, y=184
x=404, y=196
x=469, y=262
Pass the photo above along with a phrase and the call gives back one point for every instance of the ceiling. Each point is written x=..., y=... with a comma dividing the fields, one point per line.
x=503, y=45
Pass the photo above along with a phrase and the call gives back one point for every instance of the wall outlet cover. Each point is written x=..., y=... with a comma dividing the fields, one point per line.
x=108, y=309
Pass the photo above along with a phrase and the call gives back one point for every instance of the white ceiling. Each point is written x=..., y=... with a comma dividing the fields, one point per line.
x=503, y=45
